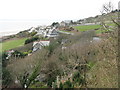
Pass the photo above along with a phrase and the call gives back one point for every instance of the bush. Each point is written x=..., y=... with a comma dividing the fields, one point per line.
x=78, y=78
x=52, y=70
x=33, y=33
x=6, y=77
x=68, y=84
x=20, y=54
x=31, y=40
x=61, y=85
x=38, y=85
x=25, y=53
x=30, y=51
x=53, y=46
x=4, y=61
x=63, y=57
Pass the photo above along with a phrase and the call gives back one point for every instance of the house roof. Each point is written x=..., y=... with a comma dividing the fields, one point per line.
x=42, y=42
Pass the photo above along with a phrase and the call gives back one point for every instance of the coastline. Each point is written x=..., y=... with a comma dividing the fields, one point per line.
x=7, y=33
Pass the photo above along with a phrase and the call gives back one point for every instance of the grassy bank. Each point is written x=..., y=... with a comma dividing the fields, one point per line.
x=12, y=44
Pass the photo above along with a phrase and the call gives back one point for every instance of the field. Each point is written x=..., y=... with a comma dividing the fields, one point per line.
x=87, y=27
x=92, y=27
x=12, y=44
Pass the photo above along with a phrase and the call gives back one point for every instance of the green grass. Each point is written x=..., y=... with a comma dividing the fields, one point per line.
x=99, y=31
x=64, y=31
x=92, y=27
x=111, y=24
x=12, y=44
x=91, y=64
x=102, y=31
x=87, y=27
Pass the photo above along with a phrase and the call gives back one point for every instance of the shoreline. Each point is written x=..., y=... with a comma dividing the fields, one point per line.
x=7, y=33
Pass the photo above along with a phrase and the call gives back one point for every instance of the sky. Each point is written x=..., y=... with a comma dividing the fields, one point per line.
x=47, y=11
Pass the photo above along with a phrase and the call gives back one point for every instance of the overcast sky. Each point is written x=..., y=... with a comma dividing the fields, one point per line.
x=51, y=9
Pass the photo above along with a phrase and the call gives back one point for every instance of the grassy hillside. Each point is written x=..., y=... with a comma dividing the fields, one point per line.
x=12, y=44
x=98, y=18
x=93, y=27
x=87, y=27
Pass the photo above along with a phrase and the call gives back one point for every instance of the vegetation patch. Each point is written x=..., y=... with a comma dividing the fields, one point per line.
x=87, y=27
x=12, y=44
x=31, y=39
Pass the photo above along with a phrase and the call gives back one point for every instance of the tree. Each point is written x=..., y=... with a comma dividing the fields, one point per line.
x=61, y=85
x=78, y=78
x=55, y=24
x=31, y=39
x=26, y=79
x=71, y=22
x=6, y=78
x=108, y=8
x=4, y=60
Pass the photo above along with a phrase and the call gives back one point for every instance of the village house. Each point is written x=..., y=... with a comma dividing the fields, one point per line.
x=65, y=23
x=41, y=32
x=62, y=23
x=9, y=53
x=52, y=33
x=48, y=32
x=40, y=44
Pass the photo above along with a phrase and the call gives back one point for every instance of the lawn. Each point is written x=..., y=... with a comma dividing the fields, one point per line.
x=87, y=27
x=12, y=44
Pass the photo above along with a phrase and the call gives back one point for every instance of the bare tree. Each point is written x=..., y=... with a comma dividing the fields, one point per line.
x=108, y=8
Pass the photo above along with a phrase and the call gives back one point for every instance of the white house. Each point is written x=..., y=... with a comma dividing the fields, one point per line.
x=62, y=23
x=9, y=53
x=48, y=32
x=40, y=44
x=65, y=23
x=52, y=33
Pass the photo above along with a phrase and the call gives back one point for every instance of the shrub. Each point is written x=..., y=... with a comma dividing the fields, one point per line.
x=30, y=51
x=52, y=47
x=61, y=85
x=31, y=40
x=68, y=84
x=6, y=77
x=25, y=53
x=4, y=61
x=63, y=57
x=19, y=54
x=78, y=78
x=38, y=85
x=33, y=33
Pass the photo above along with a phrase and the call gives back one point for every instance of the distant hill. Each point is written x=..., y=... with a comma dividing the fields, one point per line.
x=98, y=18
